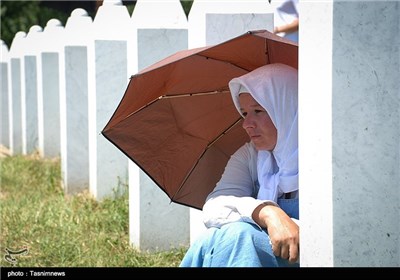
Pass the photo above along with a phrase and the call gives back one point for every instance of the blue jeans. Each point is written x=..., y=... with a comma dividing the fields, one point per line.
x=238, y=244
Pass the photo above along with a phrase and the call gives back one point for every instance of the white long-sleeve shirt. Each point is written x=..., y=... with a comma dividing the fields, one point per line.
x=234, y=197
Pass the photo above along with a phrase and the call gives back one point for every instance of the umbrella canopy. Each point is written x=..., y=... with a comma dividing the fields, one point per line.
x=177, y=121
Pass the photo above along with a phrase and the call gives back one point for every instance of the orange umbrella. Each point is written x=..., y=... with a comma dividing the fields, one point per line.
x=177, y=121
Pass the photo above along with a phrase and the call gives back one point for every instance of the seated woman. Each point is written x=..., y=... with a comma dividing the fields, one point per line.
x=252, y=214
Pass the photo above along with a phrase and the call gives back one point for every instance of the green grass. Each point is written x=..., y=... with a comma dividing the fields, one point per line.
x=62, y=230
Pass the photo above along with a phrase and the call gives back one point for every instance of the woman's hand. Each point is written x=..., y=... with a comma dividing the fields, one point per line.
x=282, y=230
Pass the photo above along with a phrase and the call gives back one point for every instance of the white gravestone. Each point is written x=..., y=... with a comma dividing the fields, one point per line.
x=156, y=223
x=74, y=89
x=30, y=104
x=4, y=101
x=16, y=73
x=108, y=165
x=349, y=133
x=49, y=116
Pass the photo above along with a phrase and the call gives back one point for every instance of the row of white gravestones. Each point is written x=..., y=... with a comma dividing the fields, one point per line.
x=65, y=87
x=348, y=117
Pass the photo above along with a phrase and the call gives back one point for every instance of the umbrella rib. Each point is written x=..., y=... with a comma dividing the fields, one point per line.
x=192, y=94
x=208, y=146
x=175, y=96
x=231, y=63
x=141, y=108
x=224, y=132
x=266, y=52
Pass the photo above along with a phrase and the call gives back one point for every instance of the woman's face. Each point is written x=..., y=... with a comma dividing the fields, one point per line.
x=257, y=123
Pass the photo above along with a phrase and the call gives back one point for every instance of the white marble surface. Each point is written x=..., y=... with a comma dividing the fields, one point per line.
x=53, y=37
x=161, y=30
x=108, y=166
x=159, y=14
x=366, y=133
x=112, y=21
x=155, y=223
x=349, y=134
x=29, y=90
x=79, y=28
x=51, y=104
x=5, y=96
x=15, y=54
x=16, y=107
x=51, y=45
x=156, y=44
x=30, y=102
x=77, y=175
x=315, y=135
x=5, y=112
x=211, y=22
x=111, y=68
x=74, y=90
x=74, y=102
x=222, y=27
x=164, y=224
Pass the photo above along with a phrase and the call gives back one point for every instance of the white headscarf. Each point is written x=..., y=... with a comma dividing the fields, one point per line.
x=275, y=88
